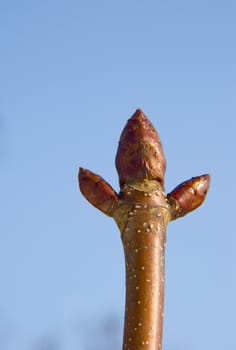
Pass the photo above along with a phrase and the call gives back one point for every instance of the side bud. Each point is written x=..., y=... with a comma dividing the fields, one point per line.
x=97, y=191
x=188, y=196
x=140, y=155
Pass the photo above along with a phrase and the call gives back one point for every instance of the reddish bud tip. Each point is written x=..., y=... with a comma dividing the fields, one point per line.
x=140, y=155
x=189, y=195
x=97, y=191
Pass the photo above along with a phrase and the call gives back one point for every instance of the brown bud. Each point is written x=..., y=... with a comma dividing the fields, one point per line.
x=140, y=155
x=97, y=191
x=189, y=195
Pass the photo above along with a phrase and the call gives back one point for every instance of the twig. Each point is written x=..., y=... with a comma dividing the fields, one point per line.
x=142, y=211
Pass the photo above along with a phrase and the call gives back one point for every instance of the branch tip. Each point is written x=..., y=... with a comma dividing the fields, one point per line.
x=140, y=155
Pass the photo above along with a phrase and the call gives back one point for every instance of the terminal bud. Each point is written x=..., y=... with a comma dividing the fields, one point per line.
x=140, y=155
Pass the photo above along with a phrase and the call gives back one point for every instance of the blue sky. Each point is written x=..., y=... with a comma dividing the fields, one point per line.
x=71, y=74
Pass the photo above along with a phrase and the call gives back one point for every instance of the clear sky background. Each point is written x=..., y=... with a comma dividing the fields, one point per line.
x=71, y=74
